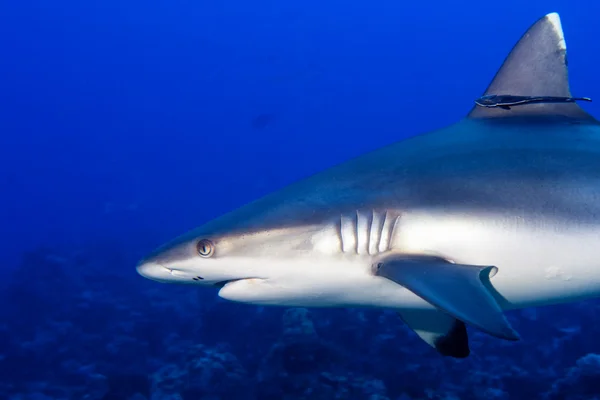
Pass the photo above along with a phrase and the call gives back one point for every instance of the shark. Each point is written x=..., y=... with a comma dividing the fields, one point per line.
x=449, y=228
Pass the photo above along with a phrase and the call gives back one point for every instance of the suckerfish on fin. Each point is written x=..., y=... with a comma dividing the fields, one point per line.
x=535, y=67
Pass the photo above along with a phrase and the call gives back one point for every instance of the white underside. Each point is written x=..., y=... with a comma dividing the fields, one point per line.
x=541, y=265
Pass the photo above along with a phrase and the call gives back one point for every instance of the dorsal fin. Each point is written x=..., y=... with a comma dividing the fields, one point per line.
x=536, y=66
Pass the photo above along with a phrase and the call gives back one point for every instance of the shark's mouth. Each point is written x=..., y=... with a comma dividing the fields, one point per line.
x=222, y=284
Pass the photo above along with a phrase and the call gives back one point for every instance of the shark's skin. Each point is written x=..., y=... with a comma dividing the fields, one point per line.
x=517, y=190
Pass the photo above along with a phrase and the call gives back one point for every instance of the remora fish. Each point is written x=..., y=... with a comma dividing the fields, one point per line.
x=496, y=212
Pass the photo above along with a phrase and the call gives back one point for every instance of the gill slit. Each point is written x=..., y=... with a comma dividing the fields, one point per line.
x=367, y=233
x=356, y=232
x=381, y=232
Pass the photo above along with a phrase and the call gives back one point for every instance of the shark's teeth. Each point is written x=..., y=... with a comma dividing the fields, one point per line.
x=367, y=232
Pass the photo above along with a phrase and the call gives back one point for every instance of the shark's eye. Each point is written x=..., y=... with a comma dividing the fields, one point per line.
x=205, y=248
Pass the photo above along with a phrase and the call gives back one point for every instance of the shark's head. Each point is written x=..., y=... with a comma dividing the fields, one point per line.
x=278, y=248
x=217, y=256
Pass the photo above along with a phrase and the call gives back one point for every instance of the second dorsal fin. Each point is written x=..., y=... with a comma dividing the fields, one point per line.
x=536, y=66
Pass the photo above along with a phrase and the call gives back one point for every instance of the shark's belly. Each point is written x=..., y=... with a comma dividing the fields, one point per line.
x=539, y=262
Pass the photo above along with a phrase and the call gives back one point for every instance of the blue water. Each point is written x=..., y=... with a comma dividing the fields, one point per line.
x=126, y=123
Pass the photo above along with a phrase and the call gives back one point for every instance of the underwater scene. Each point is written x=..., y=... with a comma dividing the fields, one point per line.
x=264, y=200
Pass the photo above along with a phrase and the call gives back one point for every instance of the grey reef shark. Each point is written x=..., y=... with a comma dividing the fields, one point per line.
x=450, y=228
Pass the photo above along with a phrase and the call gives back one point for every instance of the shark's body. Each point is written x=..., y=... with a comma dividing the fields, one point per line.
x=498, y=211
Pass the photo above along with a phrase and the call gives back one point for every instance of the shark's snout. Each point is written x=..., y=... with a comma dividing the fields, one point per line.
x=153, y=270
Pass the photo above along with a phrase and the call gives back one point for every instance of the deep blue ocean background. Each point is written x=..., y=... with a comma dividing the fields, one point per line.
x=126, y=123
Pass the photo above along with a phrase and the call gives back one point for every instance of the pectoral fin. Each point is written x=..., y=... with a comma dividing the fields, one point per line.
x=440, y=330
x=457, y=289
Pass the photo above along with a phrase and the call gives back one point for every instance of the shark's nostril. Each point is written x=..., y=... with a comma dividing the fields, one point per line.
x=198, y=278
